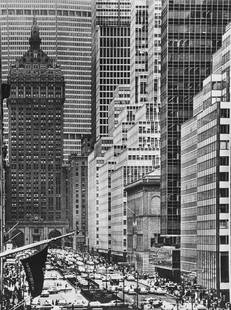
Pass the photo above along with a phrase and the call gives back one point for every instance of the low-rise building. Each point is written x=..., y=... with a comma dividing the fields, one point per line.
x=143, y=220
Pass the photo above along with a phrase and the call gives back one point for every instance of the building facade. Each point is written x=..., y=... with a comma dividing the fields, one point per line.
x=139, y=51
x=95, y=161
x=154, y=52
x=35, y=195
x=2, y=176
x=191, y=32
x=121, y=98
x=208, y=178
x=189, y=196
x=78, y=198
x=110, y=58
x=66, y=31
x=143, y=220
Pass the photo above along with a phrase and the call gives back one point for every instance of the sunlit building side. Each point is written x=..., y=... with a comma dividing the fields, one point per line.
x=206, y=174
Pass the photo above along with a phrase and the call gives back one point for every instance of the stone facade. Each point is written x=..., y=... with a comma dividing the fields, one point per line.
x=35, y=195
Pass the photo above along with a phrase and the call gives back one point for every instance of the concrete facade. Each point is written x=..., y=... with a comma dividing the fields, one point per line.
x=210, y=185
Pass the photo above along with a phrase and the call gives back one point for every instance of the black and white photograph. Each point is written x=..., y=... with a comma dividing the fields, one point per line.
x=115, y=155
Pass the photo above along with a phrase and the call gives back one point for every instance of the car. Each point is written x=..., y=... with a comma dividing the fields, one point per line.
x=159, y=291
x=98, y=276
x=131, y=291
x=53, y=290
x=45, y=293
x=113, y=303
x=152, y=289
x=130, y=278
x=62, y=302
x=167, y=306
x=49, y=267
x=126, y=289
x=143, y=290
x=95, y=303
x=153, y=301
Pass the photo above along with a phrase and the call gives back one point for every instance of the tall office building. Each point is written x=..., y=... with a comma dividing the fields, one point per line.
x=154, y=53
x=66, y=31
x=191, y=32
x=205, y=169
x=139, y=50
x=110, y=57
x=35, y=195
x=78, y=197
x=2, y=181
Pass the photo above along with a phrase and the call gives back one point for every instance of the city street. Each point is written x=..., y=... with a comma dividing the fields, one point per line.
x=58, y=291
x=87, y=275
x=132, y=298
x=81, y=281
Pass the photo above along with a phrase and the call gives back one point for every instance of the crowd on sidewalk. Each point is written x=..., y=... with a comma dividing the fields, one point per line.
x=14, y=282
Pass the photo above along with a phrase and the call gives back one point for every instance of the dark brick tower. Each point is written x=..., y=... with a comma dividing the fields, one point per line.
x=35, y=105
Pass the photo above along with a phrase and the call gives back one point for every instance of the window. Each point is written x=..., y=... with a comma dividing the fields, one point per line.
x=224, y=208
x=224, y=145
x=224, y=128
x=224, y=266
x=224, y=224
x=224, y=160
x=225, y=113
x=224, y=240
x=224, y=176
x=224, y=192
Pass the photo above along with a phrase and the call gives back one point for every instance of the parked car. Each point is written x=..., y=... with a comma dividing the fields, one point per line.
x=131, y=291
x=143, y=290
x=53, y=290
x=130, y=278
x=160, y=291
x=45, y=293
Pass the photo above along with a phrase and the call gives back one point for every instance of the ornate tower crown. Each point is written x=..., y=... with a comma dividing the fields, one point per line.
x=35, y=40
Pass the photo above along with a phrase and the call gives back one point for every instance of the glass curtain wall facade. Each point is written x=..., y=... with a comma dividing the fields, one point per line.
x=66, y=29
x=189, y=196
x=1, y=170
x=191, y=32
x=110, y=57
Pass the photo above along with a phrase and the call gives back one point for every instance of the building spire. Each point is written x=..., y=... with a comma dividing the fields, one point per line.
x=35, y=40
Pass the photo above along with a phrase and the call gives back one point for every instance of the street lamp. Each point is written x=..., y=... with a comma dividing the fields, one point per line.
x=177, y=294
x=106, y=275
x=137, y=290
x=123, y=285
x=116, y=291
x=123, y=264
x=134, y=226
x=192, y=298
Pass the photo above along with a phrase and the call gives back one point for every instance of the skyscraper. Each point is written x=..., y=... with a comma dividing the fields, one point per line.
x=191, y=32
x=66, y=30
x=78, y=197
x=110, y=57
x=2, y=180
x=36, y=103
x=205, y=173
x=139, y=50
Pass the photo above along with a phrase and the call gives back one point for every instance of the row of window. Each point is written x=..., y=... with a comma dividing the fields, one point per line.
x=47, y=12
